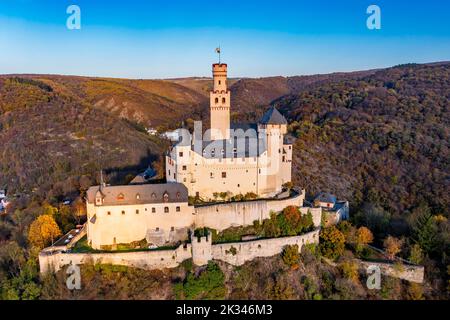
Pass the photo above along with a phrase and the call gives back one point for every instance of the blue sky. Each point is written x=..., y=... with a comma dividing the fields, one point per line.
x=171, y=38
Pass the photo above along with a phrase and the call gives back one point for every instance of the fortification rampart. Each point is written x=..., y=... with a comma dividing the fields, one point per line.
x=240, y=252
x=225, y=215
x=201, y=250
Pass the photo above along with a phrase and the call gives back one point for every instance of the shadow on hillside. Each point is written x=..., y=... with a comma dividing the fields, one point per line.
x=121, y=175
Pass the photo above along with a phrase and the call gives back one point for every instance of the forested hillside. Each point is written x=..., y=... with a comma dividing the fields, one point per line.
x=54, y=142
x=382, y=140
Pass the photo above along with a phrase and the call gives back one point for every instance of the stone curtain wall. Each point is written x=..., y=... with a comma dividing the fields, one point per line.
x=240, y=252
x=200, y=250
x=156, y=259
x=225, y=215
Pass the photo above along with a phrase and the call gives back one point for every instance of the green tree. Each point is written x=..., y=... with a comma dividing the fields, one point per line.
x=209, y=284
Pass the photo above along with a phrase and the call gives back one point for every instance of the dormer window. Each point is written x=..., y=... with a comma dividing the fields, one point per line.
x=120, y=196
x=98, y=198
x=178, y=195
x=153, y=195
x=138, y=196
x=166, y=197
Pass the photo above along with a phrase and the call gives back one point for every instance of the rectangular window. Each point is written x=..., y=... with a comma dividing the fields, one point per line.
x=123, y=212
x=211, y=175
x=224, y=174
x=172, y=228
x=109, y=213
x=178, y=209
x=184, y=168
x=166, y=209
x=137, y=211
x=153, y=210
x=181, y=153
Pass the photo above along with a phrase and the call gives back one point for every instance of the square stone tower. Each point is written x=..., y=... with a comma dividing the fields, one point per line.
x=219, y=105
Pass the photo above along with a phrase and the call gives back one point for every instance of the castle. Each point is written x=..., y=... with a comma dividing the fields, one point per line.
x=233, y=159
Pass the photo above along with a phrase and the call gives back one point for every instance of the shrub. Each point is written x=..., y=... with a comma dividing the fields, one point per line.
x=209, y=284
x=290, y=256
x=349, y=270
x=392, y=246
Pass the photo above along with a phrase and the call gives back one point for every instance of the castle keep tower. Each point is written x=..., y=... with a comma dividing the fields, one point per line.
x=219, y=105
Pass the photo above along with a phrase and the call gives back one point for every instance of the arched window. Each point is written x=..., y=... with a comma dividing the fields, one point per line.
x=223, y=100
x=216, y=100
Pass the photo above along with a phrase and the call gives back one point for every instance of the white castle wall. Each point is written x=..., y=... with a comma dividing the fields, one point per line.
x=122, y=224
x=156, y=259
x=200, y=250
x=226, y=215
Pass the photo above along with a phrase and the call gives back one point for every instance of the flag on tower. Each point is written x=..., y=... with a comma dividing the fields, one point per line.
x=218, y=50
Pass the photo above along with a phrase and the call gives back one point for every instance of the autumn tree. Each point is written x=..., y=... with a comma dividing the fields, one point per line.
x=79, y=210
x=392, y=246
x=43, y=231
x=363, y=237
x=332, y=242
x=348, y=230
x=292, y=216
x=291, y=256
